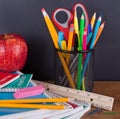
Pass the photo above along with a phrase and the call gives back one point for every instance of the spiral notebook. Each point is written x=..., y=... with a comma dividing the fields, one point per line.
x=22, y=82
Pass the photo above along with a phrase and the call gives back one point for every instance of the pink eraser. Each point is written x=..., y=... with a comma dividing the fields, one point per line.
x=27, y=92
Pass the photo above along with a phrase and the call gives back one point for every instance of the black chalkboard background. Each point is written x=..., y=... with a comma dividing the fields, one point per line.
x=24, y=17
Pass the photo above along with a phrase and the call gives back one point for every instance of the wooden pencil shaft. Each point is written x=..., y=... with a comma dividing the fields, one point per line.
x=35, y=100
x=37, y=106
x=54, y=38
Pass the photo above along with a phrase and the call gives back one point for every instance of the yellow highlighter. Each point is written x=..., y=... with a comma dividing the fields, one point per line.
x=63, y=44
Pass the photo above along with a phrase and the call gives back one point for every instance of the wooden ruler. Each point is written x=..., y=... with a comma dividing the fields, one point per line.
x=96, y=100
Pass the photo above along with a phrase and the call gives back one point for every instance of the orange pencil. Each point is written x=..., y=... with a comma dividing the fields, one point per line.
x=99, y=32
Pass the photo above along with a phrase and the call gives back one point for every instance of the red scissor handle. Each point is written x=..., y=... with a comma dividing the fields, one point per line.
x=62, y=26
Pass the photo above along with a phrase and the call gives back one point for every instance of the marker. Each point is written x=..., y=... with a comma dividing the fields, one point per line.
x=63, y=44
x=60, y=38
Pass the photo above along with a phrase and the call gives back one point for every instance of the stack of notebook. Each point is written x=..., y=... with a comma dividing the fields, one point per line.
x=10, y=82
x=72, y=109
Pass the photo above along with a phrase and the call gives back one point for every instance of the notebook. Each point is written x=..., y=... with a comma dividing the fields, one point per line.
x=74, y=107
x=9, y=95
x=21, y=82
x=11, y=111
x=6, y=78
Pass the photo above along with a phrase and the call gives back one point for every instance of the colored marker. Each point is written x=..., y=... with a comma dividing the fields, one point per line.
x=60, y=38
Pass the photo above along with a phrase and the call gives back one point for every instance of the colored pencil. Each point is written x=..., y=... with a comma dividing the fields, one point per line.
x=38, y=106
x=38, y=100
x=93, y=20
x=99, y=32
x=54, y=36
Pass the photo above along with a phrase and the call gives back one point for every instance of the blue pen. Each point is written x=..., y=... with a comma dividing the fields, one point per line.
x=60, y=38
x=95, y=32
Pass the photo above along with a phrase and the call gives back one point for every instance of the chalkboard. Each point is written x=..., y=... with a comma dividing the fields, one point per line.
x=24, y=17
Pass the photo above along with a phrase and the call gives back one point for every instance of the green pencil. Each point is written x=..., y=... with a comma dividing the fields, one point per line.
x=79, y=78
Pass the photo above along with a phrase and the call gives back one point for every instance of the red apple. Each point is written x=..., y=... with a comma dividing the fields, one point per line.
x=13, y=52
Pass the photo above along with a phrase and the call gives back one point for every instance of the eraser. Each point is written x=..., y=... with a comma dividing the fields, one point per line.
x=30, y=91
x=43, y=9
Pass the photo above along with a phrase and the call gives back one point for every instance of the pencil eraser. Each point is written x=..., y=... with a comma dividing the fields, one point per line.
x=43, y=9
x=30, y=91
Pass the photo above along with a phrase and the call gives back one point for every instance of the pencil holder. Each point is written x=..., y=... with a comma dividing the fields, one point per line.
x=77, y=69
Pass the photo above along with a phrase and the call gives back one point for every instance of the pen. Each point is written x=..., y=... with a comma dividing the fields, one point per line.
x=60, y=38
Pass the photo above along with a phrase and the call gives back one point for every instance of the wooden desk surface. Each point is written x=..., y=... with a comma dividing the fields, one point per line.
x=108, y=88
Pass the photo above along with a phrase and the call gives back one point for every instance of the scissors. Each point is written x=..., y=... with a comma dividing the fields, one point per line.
x=65, y=25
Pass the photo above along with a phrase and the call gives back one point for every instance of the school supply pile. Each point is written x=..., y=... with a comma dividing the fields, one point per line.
x=75, y=40
x=51, y=102
x=18, y=105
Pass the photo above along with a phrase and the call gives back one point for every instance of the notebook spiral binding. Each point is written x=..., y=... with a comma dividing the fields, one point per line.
x=9, y=89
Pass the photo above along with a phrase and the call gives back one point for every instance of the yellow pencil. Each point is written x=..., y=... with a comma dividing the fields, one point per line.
x=70, y=41
x=93, y=20
x=76, y=24
x=38, y=100
x=35, y=106
x=54, y=36
x=99, y=32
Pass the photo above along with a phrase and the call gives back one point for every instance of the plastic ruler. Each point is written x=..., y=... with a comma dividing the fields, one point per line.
x=96, y=100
